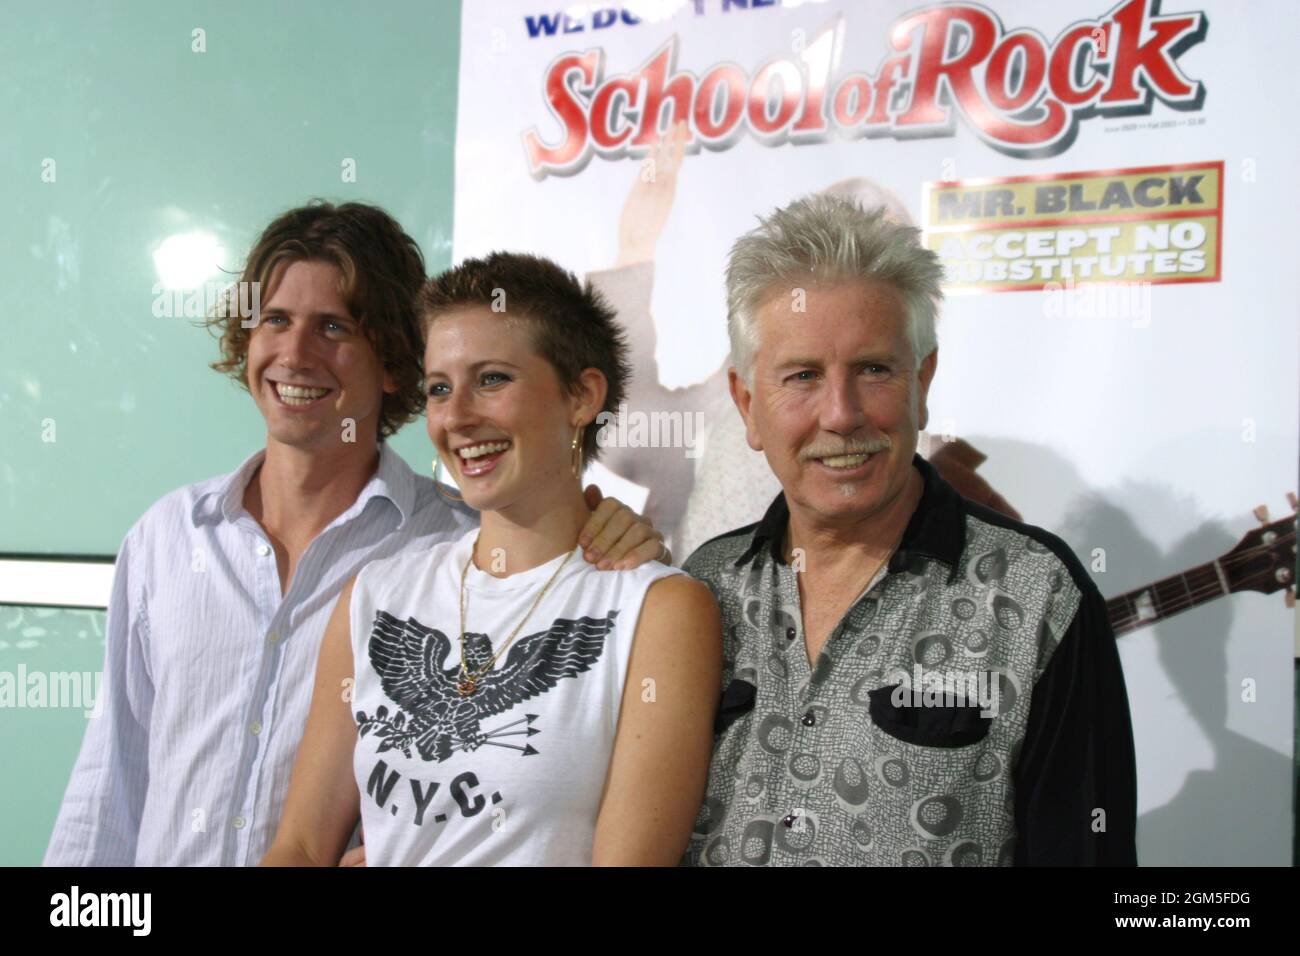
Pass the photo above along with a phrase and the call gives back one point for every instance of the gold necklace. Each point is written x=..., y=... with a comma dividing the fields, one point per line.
x=468, y=682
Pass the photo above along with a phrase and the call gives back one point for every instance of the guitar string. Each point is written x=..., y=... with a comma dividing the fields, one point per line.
x=1227, y=562
x=1166, y=607
x=1195, y=595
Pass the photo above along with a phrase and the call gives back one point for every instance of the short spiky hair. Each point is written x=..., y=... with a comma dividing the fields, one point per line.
x=382, y=272
x=572, y=326
x=828, y=238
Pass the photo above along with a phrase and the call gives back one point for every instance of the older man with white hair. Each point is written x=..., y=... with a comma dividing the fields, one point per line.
x=909, y=678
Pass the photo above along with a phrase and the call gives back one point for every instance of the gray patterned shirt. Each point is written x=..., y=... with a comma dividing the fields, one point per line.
x=969, y=709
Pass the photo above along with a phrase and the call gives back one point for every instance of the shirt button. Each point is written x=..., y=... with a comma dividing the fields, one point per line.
x=789, y=820
x=272, y=638
x=255, y=727
x=263, y=549
x=238, y=823
x=809, y=719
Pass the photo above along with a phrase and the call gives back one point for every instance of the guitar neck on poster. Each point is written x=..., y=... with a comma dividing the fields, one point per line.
x=1264, y=561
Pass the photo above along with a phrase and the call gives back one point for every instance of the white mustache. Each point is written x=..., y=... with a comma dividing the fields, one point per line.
x=847, y=448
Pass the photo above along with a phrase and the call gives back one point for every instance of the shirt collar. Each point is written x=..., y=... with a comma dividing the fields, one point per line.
x=937, y=528
x=224, y=497
x=393, y=480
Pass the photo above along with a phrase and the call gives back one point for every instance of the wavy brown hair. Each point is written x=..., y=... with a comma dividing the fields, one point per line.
x=382, y=270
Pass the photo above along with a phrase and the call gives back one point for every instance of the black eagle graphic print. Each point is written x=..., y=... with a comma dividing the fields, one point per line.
x=433, y=718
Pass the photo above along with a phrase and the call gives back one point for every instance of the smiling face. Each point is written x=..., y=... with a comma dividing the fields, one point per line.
x=309, y=366
x=837, y=401
x=497, y=413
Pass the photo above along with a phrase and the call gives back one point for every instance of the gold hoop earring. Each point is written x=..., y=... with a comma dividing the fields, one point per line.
x=437, y=483
x=576, y=455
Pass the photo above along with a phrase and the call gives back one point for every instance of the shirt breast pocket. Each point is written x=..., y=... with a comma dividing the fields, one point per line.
x=940, y=787
x=957, y=725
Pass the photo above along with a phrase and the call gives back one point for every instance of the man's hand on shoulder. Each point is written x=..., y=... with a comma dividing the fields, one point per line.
x=616, y=537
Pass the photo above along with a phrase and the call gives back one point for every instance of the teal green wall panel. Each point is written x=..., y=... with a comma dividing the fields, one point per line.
x=151, y=140
x=40, y=736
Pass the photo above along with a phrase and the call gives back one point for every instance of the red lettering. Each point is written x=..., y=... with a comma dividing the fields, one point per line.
x=890, y=70
x=949, y=57
x=761, y=92
x=817, y=60
x=731, y=80
x=935, y=26
x=571, y=114
x=1033, y=71
x=602, y=132
x=659, y=89
x=1060, y=75
x=852, y=100
x=1151, y=58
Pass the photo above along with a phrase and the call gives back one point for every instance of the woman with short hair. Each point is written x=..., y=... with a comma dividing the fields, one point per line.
x=497, y=700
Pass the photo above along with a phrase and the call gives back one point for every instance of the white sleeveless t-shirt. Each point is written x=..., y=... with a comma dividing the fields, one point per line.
x=511, y=774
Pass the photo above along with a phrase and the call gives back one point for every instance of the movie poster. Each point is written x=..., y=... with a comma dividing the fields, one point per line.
x=1118, y=335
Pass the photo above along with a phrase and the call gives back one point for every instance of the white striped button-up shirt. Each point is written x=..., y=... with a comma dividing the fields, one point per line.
x=209, y=671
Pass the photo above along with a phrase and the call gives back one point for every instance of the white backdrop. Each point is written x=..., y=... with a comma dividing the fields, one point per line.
x=1152, y=440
